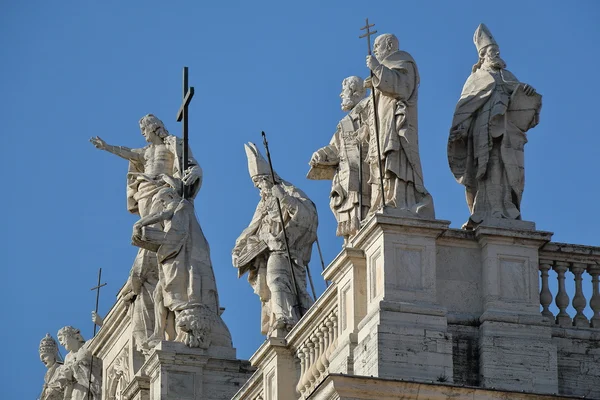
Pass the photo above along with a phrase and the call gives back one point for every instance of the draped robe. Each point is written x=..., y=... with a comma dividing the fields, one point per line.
x=140, y=192
x=269, y=271
x=489, y=161
x=396, y=85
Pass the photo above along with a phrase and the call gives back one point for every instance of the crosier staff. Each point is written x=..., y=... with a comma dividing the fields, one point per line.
x=298, y=305
x=375, y=113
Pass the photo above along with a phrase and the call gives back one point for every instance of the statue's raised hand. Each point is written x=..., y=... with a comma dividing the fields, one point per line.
x=98, y=143
x=372, y=63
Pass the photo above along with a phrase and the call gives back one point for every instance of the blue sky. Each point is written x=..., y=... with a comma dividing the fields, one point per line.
x=76, y=69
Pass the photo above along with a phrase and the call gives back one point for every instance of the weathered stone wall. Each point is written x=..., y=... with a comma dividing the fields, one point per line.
x=578, y=363
x=465, y=353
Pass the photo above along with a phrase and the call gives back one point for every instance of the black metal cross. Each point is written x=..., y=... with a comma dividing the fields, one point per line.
x=368, y=34
x=182, y=114
x=97, y=289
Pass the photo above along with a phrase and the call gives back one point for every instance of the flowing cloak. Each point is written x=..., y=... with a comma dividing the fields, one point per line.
x=342, y=168
x=300, y=218
x=186, y=272
x=144, y=274
x=397, y=81
x=175, y=146
x=52, y=389
x=484, y=103
x=77, y=365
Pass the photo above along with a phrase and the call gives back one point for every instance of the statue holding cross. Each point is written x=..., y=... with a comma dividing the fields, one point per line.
x=396, y=176
x=172, y=284
x=164, y=162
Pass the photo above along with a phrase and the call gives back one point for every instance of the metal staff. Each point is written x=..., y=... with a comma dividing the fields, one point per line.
x=312, y=285
x=322, y=262
x=182, y=114
x=97, y=289
x=375, y=113
x=285, y=238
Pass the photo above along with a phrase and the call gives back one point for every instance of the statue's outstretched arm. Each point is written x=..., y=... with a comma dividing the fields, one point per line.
x=121, y=151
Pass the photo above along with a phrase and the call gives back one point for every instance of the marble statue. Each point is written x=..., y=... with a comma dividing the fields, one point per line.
x=52, y=390
x=396, y=85
x=340, y=161
x=487, y=136
x=186, y=299
x=260, y=249
x=162, y=156
x=74, y=375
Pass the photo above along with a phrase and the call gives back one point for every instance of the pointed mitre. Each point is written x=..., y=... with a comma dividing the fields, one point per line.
x=483, y=37
x=48, y=345
x=257, y=165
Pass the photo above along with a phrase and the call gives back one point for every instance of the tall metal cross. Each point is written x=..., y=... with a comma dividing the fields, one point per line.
x=367, y=35
x=182, y=114
x=97, y=289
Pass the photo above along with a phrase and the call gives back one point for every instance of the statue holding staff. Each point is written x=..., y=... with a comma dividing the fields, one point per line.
x=487, y=136
x=260, y=250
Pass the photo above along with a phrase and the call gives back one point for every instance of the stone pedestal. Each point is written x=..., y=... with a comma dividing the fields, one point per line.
x=277, y=374
x=404, y=333
x=177, y=372
x=172, y=371
x=515, y=344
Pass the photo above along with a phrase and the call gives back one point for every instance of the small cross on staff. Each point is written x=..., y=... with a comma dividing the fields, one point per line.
x=97, y=289
x=182, y=114
x=367, y=35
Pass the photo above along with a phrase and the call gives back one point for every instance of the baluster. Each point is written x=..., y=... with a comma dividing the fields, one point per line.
x=320, y=343
x=335, y=325
x=594, y=271
x=305, y=378
x=325, y=333
x=329, y=325
x=579, y=301
x=313, y=359
x=300, y=386
x=562, y=299
x=545, y=294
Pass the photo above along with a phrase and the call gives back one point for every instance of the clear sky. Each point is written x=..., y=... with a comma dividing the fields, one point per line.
x=73, y=69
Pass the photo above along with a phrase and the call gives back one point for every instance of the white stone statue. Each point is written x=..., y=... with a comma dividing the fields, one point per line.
x=186, y=299
x=52, y=389
x=485, y=146
x=74, y=376
x=260, y=249
x=340, y=161
x=162, y=156
x=396, y=85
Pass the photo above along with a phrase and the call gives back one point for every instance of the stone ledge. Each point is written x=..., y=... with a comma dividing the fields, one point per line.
x=138, y=384
x=427, y=227
x=369, y=388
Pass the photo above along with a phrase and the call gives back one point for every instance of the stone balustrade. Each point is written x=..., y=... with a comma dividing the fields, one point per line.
x=583, y=264
x=313, y=340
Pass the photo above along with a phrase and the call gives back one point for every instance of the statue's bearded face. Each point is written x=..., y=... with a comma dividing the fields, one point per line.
x=491, y=55
x=48, y=359
x=149, y=134
x=348, y=96
x=263, y=183
x=383, y=47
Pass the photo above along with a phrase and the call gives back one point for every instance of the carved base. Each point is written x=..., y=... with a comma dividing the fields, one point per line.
x=177, y=372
